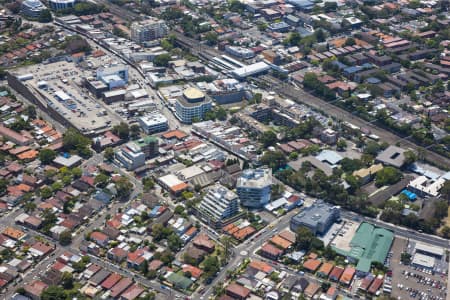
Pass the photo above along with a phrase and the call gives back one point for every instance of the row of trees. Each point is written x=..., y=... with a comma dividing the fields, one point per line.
x=393, y=213
x=329, y=188
x=311, y=82
x=75, y=142
x=126, y=132
x=159, y=232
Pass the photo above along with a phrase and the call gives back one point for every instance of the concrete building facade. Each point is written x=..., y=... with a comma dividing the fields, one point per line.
x=218, y=204
x=318, y=218
x=130, y=156
x=193, y=104
x=148, y=30
x=254, y=187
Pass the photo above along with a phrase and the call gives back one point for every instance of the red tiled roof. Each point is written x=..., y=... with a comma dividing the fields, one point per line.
x=271, y=250
x=312, y=264
x=347, y=276
x=99, y=236
x=155, y=264
x=132, y=292
x=260, y=266
x=195, y=272
x=175, y=134
x=326, y=268
x=239, y=290
x=120, y=287
x=336, y=273
x=111, y=281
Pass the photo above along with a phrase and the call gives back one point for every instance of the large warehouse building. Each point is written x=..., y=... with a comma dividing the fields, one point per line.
x=369, y=244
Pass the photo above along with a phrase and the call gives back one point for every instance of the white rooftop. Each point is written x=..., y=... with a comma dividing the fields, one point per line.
x=423, y=260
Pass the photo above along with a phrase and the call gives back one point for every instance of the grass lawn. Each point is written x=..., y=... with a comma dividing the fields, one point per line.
x=446, y=221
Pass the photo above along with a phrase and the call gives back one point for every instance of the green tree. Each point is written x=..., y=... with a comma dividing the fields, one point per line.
x=166, y=44
x=445, y=190
x=101, y=180
x=74, y=141
x=221, y=113
x=410, y=157
x=45, y=16
x=53, y=292
x=67, y=281
x=329, y=253
x=120, y=33
x=76, y=43
x=303, y=238
x=387, y=176
x=179, y=209
x=46, y=156
x=440, y=209
x=211, y=265
x=29, y=207
x=174, y=242
x=76, y=172
x=48, y=219
x=211, y=38
x=268, y=138
x=274, y=159
x=341, y=145
x=445, y=232
x=350, y=41
x=3, y=185
x=144, y=267
x=122, y=130
x=330, y=6
x=56, y=186
x=135, y=130
x=257, y=97
x=65, y=238
x=293, y=155
x=349, y=165
x=46, y=192
x=372, y=148
x=124, y=187
x=31, y=111
x=162, y=60
x=148, y=183
x=405, y=258
x=109, y=154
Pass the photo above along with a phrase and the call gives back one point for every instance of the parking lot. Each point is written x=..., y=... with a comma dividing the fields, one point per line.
x=409, y=282
x=60, y=84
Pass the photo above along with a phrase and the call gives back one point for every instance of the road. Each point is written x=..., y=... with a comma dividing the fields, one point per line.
x=124, y=13
x=248, y=248
x=95, y=222
x=43, y=114
x=401, y=231
x=135, y=73
x=288, y=90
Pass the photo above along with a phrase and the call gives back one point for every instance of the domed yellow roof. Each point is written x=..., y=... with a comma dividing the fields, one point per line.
x=193, y=93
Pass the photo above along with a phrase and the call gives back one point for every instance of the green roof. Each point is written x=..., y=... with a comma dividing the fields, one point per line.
x=146, y=140
x=363, y=265
x=369, y=244
x=179, y=281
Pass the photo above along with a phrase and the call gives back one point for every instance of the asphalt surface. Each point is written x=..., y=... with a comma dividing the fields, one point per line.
x=247, y=249
x=96, y=221
x=299, y=95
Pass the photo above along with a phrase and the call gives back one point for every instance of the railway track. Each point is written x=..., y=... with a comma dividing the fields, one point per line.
x=299, y=95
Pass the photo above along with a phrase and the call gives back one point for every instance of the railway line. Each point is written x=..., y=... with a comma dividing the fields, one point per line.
x=299, y=95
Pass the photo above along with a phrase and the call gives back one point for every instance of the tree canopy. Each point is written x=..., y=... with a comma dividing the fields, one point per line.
x=387, y=176
x=73, y=141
